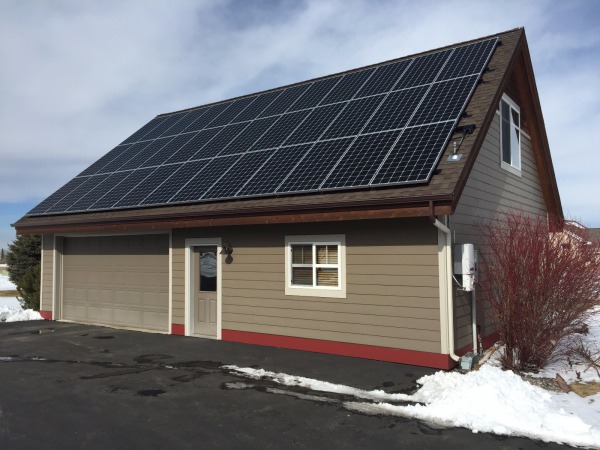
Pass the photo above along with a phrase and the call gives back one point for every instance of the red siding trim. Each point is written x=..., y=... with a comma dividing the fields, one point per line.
x=490, y=340
x=412, y=357
x=47, y=315
x=178, y=329
x=487, y=342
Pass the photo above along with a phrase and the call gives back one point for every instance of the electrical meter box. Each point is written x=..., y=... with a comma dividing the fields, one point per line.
x=465, y=264
x=468, y=361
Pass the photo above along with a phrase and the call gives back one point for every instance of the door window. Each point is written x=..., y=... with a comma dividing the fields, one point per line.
x=208, y=271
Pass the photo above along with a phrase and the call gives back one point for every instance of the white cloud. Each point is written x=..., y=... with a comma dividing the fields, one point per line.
x=79, y=77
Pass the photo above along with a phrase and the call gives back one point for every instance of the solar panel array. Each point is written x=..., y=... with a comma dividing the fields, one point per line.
x=379, y=126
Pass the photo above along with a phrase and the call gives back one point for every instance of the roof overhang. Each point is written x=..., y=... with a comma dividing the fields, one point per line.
x=164, y=218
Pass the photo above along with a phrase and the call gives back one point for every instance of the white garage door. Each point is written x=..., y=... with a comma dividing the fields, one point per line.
x=121, y=281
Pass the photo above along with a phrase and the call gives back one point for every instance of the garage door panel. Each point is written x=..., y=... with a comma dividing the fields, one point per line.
x=117, y=280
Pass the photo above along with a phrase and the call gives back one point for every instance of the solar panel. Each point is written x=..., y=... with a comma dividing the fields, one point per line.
x=173, y=183
x=114, y=195
x=283, y=101
x=162, y=149
x=314, y=94
x=233, y=179
x=185, y=122
x=72, y=197
x=285, y=125
x=230, y=113
x=204, y=179
x=153, y=179
x=354, y=117
x=444, y=101
x=348, y=86
x=87, y=199
x=114, y=153
x=141, y=158
x=211, y=113
x=308, y=175
x=384, y=79
x=414, y=155
x=193, y=146
x=251, y=134
x=314, y=125
x=360, y=163
x=258, y=106
x=163, y=126
x=378, y=126
x=145, y=129
x=395, y=110
x=271, y=175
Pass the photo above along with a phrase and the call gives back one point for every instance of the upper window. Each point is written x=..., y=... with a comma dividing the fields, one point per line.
x=315, y=266
x=510, y=134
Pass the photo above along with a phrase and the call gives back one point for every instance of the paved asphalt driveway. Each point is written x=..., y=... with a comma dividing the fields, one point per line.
x=100, y=388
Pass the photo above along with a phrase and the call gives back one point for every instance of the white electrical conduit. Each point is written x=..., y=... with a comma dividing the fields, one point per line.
x=449, y=294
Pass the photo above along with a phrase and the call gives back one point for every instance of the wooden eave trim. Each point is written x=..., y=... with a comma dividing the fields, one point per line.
x=520, y=67
x=486, y=123
x=416, y=209
x=540, y=144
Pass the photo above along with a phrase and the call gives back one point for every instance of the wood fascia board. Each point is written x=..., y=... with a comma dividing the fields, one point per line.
x=487, y=122
x=545, y=167
x=416, y=210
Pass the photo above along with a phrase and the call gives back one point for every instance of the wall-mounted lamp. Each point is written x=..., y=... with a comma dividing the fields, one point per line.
x=465, y=129
x=227, y=249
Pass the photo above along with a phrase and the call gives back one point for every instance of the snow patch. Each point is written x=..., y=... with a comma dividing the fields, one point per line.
x=18, y=314
x=316, y=385
x=10, y=302
x=569, y=370
x=6, y=284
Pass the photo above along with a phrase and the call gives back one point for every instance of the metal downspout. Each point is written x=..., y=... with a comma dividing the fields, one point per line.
x=449, y=293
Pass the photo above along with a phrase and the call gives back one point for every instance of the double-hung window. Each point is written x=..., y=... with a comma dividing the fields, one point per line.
x=315, y=266
x=510, y=135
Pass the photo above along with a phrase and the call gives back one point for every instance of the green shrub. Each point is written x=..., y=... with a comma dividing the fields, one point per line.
x=24, y=263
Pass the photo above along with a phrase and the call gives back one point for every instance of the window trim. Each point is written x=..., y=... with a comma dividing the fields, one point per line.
x=317, y=291
x=512, y=168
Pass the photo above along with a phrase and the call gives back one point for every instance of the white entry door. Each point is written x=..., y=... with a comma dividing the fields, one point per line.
x=204, y=303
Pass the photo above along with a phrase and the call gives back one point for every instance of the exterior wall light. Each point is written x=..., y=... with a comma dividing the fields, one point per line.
x=227, y=249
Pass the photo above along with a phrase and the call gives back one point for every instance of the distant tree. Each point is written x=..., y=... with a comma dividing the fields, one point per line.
x=1, y=255
x=540, y=285
x=24, y=263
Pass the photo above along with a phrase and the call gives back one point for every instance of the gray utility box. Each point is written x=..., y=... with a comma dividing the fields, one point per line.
x=468, y=361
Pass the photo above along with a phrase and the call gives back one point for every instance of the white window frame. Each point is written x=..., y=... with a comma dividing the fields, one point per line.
x=514, y=166
x=317, y=291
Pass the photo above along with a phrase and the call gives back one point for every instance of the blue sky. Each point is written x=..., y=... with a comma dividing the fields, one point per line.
x=78, y=77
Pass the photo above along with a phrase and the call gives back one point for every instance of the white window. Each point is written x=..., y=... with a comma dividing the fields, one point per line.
x=315, y=265
x=510, y=135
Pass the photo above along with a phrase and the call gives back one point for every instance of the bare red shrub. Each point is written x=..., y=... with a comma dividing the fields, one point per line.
x=540, y=286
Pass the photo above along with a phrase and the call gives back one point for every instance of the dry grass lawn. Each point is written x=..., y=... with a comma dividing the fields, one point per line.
x=585, y=389
x=8, y=293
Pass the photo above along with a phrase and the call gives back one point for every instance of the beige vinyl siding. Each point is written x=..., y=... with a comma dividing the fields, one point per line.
x=392, y=288
x=490, y=191
x=47, y=272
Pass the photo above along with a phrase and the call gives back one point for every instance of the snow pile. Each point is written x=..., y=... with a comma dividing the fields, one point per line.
x=18, y=314
x=6, y=284
x=10, y=308
x=500, y=402
x=488, y=400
